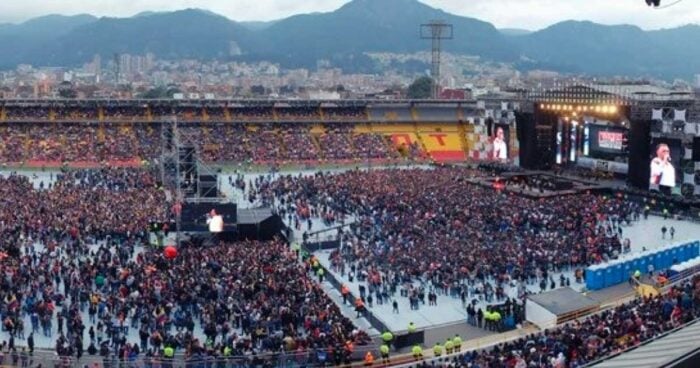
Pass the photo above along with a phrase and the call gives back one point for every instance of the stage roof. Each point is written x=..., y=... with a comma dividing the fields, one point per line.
x=252, y=216
x=563, y=301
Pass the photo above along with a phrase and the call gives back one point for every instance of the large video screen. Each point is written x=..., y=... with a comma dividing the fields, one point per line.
x=605, y=139
x=665, y=164
x=500, y=136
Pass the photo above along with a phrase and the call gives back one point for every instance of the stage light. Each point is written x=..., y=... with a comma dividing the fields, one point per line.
x=575, y=113
x=613, y=109
x=541, y=106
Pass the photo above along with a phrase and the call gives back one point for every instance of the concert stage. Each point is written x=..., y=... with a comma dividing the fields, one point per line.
x=250, y=223
x=537, y=184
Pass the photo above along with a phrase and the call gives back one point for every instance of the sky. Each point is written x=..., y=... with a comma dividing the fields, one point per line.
x=526, y=14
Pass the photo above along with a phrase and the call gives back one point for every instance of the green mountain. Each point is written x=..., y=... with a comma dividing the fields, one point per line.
x=17, y=41
x=377, y=25
x=345, y=35
x=586, y=47
x=190, y=33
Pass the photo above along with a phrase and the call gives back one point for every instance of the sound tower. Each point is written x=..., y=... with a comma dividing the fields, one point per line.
x=545, y=146
x=208, y=186
x=639, y=153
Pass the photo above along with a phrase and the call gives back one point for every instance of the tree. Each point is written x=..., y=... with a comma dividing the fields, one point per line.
x=421, y=88
x=66, y=90
x=157, y=92
x=257, y=90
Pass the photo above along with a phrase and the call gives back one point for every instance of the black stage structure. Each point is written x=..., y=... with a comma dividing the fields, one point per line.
x=642, y=118
x=194, y=189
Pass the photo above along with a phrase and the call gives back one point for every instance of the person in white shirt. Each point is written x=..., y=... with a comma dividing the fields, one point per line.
x=662, y=170
x=500, y=149
x=215, y=222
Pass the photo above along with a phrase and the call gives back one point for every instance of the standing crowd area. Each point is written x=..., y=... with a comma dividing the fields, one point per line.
x=78, y=273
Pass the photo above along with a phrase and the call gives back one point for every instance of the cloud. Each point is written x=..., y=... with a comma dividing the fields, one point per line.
x=537, y=14
x=529, y=14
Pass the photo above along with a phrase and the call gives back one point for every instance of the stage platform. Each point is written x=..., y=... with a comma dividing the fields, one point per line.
x=512, y=182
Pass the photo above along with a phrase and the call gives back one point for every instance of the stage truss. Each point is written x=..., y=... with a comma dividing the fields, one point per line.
x=181, y=169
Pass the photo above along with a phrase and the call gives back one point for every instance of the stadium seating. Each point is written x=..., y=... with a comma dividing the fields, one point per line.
x=83, y=134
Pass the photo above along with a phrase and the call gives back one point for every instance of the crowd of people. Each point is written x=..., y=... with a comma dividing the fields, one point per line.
x=234, y=299
x=264, y=143
x=76, y=270
x=78, y=205
x=597, y=336
x=432, y=227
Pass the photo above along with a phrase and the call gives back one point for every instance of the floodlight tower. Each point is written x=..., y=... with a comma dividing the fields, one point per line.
x=436, y=31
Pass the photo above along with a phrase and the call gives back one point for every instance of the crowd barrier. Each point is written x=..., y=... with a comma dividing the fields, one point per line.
x=319, y=357
x=402, y=339
x=337, y=284
x=619, y=270
x=683, y=269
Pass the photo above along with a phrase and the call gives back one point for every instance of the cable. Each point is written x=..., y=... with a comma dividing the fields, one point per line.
x=668, y=5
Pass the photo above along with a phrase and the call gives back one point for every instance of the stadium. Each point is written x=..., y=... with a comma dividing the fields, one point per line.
x=540, y=229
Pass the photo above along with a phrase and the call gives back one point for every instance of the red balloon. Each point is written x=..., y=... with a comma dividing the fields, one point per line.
x=170, y=252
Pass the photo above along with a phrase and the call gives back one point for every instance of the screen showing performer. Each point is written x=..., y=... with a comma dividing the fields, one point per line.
x=662, y=171
x=500, y=143
x=215, y=222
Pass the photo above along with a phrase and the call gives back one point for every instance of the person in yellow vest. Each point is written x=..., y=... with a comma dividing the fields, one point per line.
x=457, y=341
x=449, y=346
x=387, y=337
x=487, y=319
x=437, y=350
x=417, y=352
x=411, y=327
x=296, y=248
x=168, y=352
x=369, y=359
x=320, y=273
x=384, y=349
x=638, y=275
x=496, y=315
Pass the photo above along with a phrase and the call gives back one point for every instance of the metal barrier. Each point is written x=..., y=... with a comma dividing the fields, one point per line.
x=309, y=358
x=328, y=238
x=368, y=315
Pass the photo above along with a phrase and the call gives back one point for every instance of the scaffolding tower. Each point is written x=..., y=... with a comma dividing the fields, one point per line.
x=185, y=177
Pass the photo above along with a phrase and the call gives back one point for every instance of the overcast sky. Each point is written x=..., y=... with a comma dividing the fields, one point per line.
x=528, y=14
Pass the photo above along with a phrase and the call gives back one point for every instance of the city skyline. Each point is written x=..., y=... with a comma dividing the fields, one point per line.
x=524, y=14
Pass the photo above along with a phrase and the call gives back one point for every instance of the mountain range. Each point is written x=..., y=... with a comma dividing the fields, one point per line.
x=345, y=35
